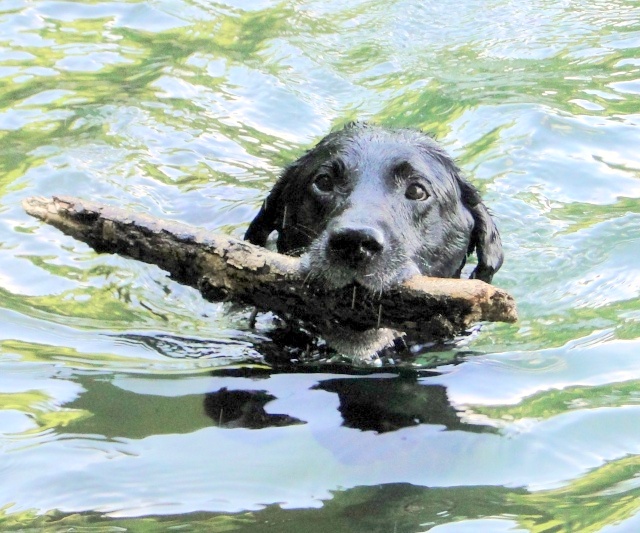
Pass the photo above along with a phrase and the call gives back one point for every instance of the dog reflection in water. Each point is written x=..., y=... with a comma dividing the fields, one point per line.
x=368, y=404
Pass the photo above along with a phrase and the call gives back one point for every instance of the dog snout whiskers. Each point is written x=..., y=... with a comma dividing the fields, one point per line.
x=355, y=245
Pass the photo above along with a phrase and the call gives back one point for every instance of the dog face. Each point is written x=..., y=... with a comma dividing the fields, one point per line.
x=375, y=207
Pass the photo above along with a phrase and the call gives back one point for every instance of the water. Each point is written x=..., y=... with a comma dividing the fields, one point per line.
x=121, y=391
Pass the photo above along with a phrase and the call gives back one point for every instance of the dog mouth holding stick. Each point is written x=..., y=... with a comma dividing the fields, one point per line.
x=373, y=227
x=371, y=207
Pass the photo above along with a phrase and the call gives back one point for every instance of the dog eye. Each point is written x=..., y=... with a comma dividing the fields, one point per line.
x=324, y=183
x=415, y=191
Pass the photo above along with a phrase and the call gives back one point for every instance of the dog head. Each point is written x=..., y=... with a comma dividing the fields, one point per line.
x=375, y=207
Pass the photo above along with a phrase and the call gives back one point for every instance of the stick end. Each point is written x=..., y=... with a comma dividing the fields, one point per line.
x=36, y=206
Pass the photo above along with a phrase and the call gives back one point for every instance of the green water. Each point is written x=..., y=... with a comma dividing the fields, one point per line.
x=117, y=386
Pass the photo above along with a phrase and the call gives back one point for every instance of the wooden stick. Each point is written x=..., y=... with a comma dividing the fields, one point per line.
x=223, y=268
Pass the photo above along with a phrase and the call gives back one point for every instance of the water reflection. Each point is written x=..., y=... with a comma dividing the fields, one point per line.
x=384, y=405
x=244, y=409
x=378, y=403
x=188, y=110
x=307, y=437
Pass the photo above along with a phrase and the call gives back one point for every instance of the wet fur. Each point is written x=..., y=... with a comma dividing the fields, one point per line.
x=368, y=171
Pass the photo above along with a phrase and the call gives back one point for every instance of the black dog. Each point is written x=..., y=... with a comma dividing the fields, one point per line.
x=374, y=207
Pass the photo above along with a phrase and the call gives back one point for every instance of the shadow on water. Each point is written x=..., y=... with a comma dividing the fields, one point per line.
x=339, y=406
x=380, y=399
x=380, y=403
x=244, y=409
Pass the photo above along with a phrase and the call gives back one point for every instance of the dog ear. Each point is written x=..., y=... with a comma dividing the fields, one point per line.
x=485, y=239
x=270, y=218
x=266, y=221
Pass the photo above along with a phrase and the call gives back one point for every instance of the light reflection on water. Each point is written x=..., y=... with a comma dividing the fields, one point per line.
x=125, y=395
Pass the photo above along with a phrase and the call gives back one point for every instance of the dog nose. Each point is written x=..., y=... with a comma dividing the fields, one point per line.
x=355, y=245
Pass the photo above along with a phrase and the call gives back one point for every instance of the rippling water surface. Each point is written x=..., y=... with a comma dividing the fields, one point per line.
x=126, y=401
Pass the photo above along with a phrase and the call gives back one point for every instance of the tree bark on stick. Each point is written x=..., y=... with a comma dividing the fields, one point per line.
x=223, y=268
